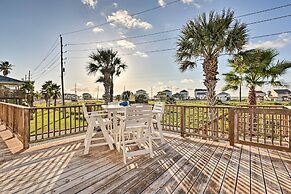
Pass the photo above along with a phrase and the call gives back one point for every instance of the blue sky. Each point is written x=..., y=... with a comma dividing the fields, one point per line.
x=29, y=29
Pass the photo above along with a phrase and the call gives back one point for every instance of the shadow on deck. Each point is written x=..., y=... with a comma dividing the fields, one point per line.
x=181, y=165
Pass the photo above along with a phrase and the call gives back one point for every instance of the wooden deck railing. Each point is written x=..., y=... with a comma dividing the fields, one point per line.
x=197, y=121
x=16, y=119
x=259, y=126
x=52, y=122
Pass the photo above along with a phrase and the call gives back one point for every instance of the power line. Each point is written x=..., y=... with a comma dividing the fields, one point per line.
x=270, y=19
x=274, y=34
x=132, y=15
x=53, y=59
x=264, y=10
x=47, y=69
x=48, y=54
x=167, y=31
x=138, y=43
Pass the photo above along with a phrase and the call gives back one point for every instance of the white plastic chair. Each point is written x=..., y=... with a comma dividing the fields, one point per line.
x=158, y=112
x=135, y=131
x=97, y=119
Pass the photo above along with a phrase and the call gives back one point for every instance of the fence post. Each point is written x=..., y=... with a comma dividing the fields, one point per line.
x=231, y=122
x=182, y=121
x=26, y=130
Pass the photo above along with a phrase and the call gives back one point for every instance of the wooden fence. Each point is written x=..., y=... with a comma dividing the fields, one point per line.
x=251, y=125
x=16, y=119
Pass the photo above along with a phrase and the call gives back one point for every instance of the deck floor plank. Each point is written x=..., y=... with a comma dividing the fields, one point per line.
x=181, y=165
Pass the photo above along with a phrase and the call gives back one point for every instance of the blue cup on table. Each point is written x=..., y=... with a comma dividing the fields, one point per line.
x=124, y=103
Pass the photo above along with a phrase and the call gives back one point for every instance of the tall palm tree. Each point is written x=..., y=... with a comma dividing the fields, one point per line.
x=207, y=37
x=260, y=68
x=27, y=89
x=106, y=62
x=5, y=67
x=234, y=78
x=46, y=91
x=56, y=92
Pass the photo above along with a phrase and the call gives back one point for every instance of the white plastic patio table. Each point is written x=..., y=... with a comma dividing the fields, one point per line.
x=114, y=109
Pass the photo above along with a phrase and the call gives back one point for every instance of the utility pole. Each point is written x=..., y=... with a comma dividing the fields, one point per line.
x=75, y=90
x=62, y=71
x=25, y=77
x=151, y=92
x=97, y=92
x=29, y=75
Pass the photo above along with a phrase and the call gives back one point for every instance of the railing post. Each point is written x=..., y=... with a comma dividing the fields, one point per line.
x=26, y=130
x=182, y=121
x=231, y=122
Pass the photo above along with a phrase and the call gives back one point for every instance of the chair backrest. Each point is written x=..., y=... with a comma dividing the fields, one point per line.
x=138, y=115
x=159, y=107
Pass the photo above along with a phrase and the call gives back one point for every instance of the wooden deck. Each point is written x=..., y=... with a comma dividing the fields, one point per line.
x=179, y=166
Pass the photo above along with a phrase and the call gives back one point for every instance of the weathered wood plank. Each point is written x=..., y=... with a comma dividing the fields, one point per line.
x=230, y=176
x=243, y=182
x=192, y=176
x=94, y=184
x=272, y=184
x=257, y=177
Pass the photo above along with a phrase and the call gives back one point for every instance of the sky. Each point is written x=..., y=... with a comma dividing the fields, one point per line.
x=30, y=29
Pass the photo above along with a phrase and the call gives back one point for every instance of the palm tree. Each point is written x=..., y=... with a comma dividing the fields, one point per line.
x=234, y=78
x=5, y=67
x=27, y=89
x=260, y=68
x=106, y=62
x=56, y=92
x=46, y=91
x=206, y=38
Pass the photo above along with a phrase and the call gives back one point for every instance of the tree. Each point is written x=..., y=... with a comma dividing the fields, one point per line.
x=46, y=91
x=260, y=68
x=108, y=64
x=5, y=67
x=234, y=78
x=207, y=37
x=141, y=98
x=125, y=96
x=27, y=89
x=56, y=92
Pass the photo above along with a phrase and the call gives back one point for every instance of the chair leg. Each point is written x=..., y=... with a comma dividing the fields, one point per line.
x=161, y=132
x=150, y=143
x=88, y=139
x=124, y=148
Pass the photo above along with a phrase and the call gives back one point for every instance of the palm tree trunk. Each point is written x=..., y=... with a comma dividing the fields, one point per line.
x=107, y=84
x=111, y=90
x=210, y=72
x=252, y=95
x=55, y=102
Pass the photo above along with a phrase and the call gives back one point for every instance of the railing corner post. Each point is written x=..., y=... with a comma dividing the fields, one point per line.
x=26, y=128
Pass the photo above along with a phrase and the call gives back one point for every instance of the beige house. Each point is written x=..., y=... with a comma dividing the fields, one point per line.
x=281, y=95
x=260, y=95
x=10, y=89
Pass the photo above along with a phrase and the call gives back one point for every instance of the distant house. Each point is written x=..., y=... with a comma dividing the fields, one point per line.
x=260, y=95
x=141, y=92
x=200, y=94
x=223, y=96
x=177, y=96
x=281, y=95
x=69, y=96
x=86, y=96
x=10, y=89
x=167, y=93
x=184, y=94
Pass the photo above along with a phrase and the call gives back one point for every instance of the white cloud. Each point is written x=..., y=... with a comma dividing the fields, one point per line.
x=96, y=29
x=115, y=5
x=187, y=81
x=90, y=3
x=126, y=44
x=89, y=23
x=162, y=3
x=122, y=17
x=187, y=1
x=141, y=54
x=281, y=41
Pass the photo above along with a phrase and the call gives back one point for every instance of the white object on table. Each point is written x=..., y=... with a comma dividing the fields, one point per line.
x=96, y=119
x=158, y=112
x=136, y=131
x=116, y=131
